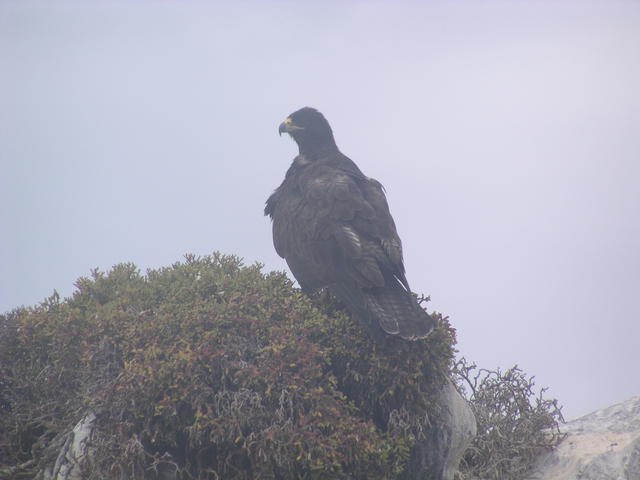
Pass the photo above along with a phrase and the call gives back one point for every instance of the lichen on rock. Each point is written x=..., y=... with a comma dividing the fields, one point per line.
x=603, y=445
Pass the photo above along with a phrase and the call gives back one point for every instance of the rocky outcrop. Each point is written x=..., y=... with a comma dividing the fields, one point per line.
x=446, y=438
x=72, y=452
x=603, y=445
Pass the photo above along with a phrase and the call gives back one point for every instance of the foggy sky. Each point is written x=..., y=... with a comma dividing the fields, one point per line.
x=507, y=135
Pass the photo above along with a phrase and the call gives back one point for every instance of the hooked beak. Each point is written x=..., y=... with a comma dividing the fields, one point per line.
x=288, y=126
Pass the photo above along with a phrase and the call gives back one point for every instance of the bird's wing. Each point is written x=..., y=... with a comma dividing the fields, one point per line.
x=281, y=206
x=290, y=234
x=349, y=231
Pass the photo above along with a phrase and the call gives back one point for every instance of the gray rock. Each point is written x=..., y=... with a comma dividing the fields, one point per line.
x=603, y=445
x=68, y=462
x=447, y=436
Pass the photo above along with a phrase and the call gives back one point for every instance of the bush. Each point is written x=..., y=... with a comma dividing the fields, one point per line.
x=515, y=425
x=213, y=370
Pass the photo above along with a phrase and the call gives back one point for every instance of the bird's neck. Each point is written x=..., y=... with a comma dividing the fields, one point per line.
x=315, y=151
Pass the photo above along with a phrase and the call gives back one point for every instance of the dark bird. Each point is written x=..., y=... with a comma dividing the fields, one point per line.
x=332, y=225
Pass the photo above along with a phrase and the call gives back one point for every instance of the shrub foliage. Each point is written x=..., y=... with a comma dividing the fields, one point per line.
x=211, y=370
x=515, y=423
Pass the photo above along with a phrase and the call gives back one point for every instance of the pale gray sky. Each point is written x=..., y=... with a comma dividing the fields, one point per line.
x=507, y=135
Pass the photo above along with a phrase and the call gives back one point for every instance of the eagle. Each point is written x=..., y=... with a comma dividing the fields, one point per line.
x=332, y=225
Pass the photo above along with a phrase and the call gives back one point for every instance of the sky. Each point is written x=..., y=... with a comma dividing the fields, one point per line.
x=507, y=135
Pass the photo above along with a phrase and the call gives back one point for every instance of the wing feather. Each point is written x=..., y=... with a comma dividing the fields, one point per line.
x=330, y=222
x=350, y=214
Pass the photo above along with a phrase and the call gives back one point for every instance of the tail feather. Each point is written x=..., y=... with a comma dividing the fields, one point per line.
x=391, y=309
x=386, y=317
x=398, y=313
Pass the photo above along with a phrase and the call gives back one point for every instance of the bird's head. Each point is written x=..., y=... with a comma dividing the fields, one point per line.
x=309, y=129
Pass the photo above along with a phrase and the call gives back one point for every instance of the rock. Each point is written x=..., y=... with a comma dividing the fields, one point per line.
x=603, y=445
x=68, y=462
x=446, y=438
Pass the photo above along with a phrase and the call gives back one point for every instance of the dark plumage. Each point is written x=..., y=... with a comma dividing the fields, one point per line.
x=332, y=225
